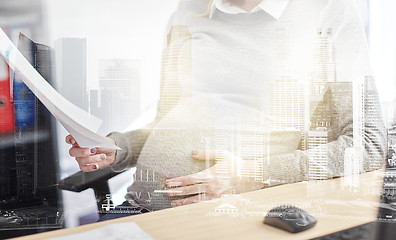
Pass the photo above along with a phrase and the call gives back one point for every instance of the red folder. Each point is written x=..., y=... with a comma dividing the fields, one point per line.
x=7, y=124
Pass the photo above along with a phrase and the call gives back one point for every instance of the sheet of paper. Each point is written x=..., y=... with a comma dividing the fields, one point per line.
x=115, y=231
x=77, y=122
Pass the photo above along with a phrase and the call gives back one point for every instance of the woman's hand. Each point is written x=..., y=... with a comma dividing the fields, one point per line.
x=91, y=159
x=213, y=182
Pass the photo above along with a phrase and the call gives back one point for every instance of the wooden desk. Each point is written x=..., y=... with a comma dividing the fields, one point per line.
x=335, y=206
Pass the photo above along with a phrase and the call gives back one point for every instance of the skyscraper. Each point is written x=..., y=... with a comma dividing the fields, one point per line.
x=391, y=147
x=246, y=143
x=342, y=92
x=118, y=100
x=359, y=120
x=288, y=105
x=351, y=168
x=71, y=70
x=372, y=115
x=324, y=68
x=224, y=139
x=121, y=75
x=176, y=68
x=318, y=152
x=321, y=111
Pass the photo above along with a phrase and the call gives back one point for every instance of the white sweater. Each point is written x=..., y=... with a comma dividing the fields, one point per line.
x=216, y=94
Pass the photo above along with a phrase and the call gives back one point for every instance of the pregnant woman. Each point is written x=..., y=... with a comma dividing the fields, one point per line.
x=254, y=93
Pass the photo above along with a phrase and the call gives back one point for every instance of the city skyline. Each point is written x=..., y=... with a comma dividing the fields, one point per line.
x=118, y=100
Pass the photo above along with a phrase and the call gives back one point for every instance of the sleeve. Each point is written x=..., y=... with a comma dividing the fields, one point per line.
x=360, y=135
x=358, y=141
x=131, y=144
x=357, y=136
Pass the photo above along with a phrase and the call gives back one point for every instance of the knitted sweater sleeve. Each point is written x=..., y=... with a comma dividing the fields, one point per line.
x=359, y=136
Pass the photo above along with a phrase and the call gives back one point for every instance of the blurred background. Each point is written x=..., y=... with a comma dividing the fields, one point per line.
x=108, y=54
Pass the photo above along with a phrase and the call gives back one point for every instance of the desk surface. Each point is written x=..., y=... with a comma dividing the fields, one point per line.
x=332, y=202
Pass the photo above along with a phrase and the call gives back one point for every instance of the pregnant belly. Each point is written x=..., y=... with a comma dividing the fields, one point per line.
x=167, y=151
x=167, y=154
x=212, y=124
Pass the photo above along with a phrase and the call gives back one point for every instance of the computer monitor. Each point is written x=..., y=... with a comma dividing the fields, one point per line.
x=384, y=228
x=386, y=223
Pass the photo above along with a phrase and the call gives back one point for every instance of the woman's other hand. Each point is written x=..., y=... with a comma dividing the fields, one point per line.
x=212, y=182
x=91, y=159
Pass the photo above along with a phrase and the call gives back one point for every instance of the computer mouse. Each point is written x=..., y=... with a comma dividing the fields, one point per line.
x=290, y=218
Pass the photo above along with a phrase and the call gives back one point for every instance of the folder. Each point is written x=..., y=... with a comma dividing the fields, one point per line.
x=24, y=99
x=7, y=124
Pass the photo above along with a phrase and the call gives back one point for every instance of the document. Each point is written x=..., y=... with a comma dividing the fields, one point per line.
x=76, y=121
x=115, y=231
